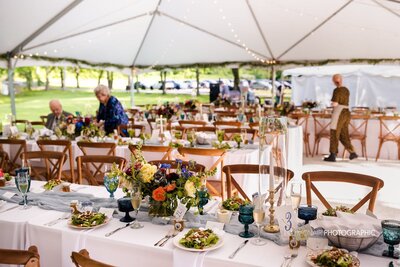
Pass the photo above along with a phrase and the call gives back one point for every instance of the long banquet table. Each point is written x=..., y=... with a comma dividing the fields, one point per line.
x=128, y=247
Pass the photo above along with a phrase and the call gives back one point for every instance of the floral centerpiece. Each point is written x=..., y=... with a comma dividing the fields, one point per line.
x=191, y=104
x=309, y=104
x=72, y=127
x=223, y=102
x=285, y=108
x=163, y=188
x=167, y=110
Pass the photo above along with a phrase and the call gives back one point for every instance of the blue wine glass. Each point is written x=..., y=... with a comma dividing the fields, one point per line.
x=246, y=218
x=111, y=184
x=307, y=213
x=391, y=236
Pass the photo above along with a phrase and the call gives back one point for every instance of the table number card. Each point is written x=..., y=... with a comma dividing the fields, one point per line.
x=8, y=195
x=286, y=219
x=180, y=211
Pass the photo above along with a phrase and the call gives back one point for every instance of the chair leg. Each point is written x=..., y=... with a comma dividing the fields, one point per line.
x=379, y=150
x=315, y=145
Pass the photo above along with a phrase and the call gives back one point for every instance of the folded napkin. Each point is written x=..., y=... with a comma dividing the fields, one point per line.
x=184, y=258
x=203, y=138
x=347, y=221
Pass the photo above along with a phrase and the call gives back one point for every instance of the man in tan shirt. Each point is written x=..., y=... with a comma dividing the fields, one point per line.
x=340, y=120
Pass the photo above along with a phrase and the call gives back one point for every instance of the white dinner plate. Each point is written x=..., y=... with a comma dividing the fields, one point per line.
x=181, y=235
x=356, y=261
x=107, y=220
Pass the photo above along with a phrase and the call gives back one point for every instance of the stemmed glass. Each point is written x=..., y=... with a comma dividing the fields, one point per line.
x=102, y=134
x=259, y=216
x=391, y=236
x=136, y=200
x=243, y=133
x=131, y=132
x=295, y=194
x=220, y=135
x=22, y=182
x=111, y=184
x=246, y=218
x=191, y=138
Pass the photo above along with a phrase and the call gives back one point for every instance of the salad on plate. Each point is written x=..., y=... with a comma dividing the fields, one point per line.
x=234, y=203
x=333, y=257
x=199, y=239
x=88, y=220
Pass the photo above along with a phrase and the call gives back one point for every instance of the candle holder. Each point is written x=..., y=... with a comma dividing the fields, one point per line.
x=271, y=227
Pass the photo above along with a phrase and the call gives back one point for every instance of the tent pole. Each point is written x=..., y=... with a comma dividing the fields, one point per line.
x=133, y=73
x=273, y=78
x=197, y=81
x=11, y=85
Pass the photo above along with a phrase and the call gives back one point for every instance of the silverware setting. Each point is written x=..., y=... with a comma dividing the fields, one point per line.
x=168, y=238
x=239, y=248
x=14, y=207
x=119, y=228
x=63, y=217
x=168, y=235
x=288, y=260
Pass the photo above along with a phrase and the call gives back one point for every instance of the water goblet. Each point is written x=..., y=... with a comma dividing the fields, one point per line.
x=125, y=205
x=136, y=200
x=246, y=218
x=307, y=213
x=102, y=134
x=22, y=182
x=391, y=236
x=203, y=199
x=259, y=216
x=111, y=184
x=131, y=132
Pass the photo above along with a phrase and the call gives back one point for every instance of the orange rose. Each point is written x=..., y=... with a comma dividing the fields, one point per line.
x=159, y=194
x=170, y=187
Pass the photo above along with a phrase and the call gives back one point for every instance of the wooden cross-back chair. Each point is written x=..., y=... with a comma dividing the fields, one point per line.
x=230, y=132
x=3, y=159
x=166, y=150
x=209, y=152
x=302, y=120
x=53, y=164
x=227, y=124
x=106, y=148
x=358, y=131
x=95, y=174
x=389, y=131
x=343, y=177
x=137, y=128
x=24, y=122
x=151, y=122
x=322, y=124
x=206, y=129
x=232, y=184
x=27, y=258
x=174, y=164
x=191, y=123
x=82, y=259
x=66, y=146
x=12, y=163
x=43, y=118
x=40, y=124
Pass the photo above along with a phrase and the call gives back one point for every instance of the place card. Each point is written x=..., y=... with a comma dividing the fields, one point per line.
x=286, y=219
x=8, y=195
x=107, y=211
x=214, y=225
x=180, y=211
x=316, y=243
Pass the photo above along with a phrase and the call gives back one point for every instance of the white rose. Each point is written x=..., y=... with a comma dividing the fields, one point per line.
x=71, y=129
x=190, y=189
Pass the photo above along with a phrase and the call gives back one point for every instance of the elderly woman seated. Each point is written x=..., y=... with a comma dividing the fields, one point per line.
x=111, y=113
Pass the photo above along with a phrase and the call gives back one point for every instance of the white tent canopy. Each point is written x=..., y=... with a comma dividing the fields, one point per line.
x=176, y=32
x=370, y=86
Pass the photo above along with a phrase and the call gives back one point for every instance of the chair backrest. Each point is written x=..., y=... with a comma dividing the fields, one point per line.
x=389, y=127
x=358, y=125
x=82, y=259
x=251, y=169
x=206, y=129
x=151, y=122
x=174, y=164
x=301, y=119
x=230, y=132
x=105, y=148
x=43, y=118
x=164, y=151
x=343, y=177
x=188, y=123
x=139, y=129
x=207, y=153
x=3, y=159
x=27, y=258
x=20, y=145
x=92, y=165
x=322, y=124
x=24, y=122
x=53, y=161
x=227, y=124
x=66, y=146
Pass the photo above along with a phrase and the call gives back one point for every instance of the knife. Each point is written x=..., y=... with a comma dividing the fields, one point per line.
x=120, y=228
x=14, y=207
x=237, y=250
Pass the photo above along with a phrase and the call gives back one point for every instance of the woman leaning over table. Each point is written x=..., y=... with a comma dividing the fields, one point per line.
x=111, y=113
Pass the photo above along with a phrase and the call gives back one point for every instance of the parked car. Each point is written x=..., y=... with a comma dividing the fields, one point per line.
x=260, y=85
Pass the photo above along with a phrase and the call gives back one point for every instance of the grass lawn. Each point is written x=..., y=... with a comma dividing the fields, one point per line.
x=31, y=105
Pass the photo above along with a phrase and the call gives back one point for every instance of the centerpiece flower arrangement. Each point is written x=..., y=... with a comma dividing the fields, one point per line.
x=163, y=187
x=285, y=108
x=167, y=110
x=191, y=104
x=72, y=127
x=309, y=104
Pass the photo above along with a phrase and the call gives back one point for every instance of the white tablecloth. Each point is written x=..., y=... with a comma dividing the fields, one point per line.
x=22, y=228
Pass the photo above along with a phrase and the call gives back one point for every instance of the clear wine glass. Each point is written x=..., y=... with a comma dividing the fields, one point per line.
x=136, y=200
x=295, y=194
x=259, y=216
x=22, y=183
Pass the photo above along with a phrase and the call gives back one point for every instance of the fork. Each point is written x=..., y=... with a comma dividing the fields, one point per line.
x=63, y=217
x=168, y=238
x=288, y=258
x=168, y=235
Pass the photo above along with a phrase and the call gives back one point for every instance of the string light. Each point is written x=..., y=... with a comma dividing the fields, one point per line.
x=239, y=40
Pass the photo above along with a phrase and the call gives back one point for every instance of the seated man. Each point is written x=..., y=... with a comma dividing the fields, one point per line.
x=57, y=114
